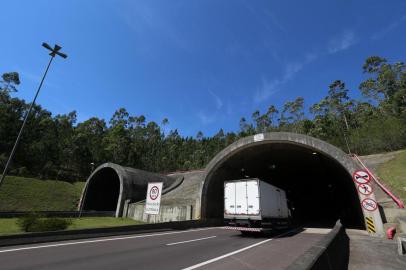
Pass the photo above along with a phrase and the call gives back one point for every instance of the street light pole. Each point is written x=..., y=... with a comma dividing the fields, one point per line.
x=53, y=53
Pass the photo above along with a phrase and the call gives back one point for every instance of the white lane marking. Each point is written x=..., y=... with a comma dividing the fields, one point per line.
x=193, y=240
x=102, y=240
x=234, y=252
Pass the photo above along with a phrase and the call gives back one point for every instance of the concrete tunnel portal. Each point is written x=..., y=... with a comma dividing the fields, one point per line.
x=110, y=186
x=103, y=191
x=315, y=175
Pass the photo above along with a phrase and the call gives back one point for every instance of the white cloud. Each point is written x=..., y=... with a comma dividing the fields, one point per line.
x=217, y=100
x=267, y=89
x=229, y=109
x=208, y=118
x=342, y=42
x=380, y=34
x=205, y=118
x=270, y=87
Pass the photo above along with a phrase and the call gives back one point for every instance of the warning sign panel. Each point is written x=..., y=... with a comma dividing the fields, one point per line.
x=369, y=204
x=369, y=222
x=153, y=200
x=365, y=189
x=361, y=177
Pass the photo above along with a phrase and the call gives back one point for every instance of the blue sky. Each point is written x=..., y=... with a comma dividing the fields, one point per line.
x=201, y=64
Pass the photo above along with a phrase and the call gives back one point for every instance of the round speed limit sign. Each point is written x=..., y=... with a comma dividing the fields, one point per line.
x=153, y=193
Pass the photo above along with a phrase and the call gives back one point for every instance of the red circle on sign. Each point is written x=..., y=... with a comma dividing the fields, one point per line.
x=369, y=202
x=365, y=193
x=360, y=174
x=154, y=192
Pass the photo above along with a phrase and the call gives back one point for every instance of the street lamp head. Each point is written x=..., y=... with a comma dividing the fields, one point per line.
x=55, y=50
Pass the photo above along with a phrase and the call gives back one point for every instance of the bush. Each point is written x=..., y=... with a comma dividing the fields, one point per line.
x=37, y=223
x=26, y=222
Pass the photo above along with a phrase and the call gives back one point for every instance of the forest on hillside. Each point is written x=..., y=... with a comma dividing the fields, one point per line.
x=58, y=147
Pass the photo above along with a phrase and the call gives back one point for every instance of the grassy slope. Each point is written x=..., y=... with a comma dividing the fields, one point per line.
x=393, y=174
x=28, y=194
x=9, y=226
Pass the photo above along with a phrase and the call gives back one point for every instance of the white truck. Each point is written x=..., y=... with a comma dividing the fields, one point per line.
x=252, y=205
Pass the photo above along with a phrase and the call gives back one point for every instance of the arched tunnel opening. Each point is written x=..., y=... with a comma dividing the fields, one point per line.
x=103, y=191
x=319, y=189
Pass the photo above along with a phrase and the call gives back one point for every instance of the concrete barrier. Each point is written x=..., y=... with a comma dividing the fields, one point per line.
x=330, y=253
x=32, y=238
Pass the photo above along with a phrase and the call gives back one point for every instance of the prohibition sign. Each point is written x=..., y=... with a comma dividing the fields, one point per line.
x=369, y=204
x=361, y=177
x=364, y=189
x=154, y=192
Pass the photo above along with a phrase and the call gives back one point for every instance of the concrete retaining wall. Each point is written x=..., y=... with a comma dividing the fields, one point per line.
x=167, y=213
x=330, y=253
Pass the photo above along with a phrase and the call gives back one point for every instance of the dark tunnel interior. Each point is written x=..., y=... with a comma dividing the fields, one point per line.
x=103, y=191
x=319, y=189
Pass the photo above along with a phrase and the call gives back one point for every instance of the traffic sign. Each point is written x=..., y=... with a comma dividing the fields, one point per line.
x=365, y=189
x=154, y=193
x=369, y=204
x=361, y=177
x=153, y=200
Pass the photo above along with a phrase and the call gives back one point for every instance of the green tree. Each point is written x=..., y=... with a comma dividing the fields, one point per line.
x=9, y=82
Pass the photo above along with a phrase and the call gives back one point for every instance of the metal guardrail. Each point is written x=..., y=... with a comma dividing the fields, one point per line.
x=41, y=237
x=59, y=214
x=379, y=183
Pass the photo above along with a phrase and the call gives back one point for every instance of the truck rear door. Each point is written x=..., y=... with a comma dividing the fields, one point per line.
x=253, y=197
x=229, y=198
x=241, y=198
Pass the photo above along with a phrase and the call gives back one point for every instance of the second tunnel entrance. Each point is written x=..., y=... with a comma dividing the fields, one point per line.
x=102, y=191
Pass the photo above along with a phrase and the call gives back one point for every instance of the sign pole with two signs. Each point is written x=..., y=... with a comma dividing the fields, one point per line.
x=373, y=220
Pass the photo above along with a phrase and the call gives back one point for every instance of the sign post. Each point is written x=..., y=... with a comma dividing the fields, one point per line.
x=373, y=221
x=153, y=201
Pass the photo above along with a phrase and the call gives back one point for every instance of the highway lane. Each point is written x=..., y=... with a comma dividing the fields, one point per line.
x=206, y=248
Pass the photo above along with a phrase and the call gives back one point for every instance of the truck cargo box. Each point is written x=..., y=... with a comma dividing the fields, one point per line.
x=252, y=202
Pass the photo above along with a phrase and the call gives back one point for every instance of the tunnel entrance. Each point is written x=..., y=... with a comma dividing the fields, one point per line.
x=319, y=188
x=103, y=191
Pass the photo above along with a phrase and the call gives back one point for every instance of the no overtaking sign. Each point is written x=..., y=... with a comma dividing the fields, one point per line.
x=361, y=177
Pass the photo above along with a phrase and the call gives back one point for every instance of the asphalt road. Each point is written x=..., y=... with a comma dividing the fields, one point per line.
x=205, y=248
